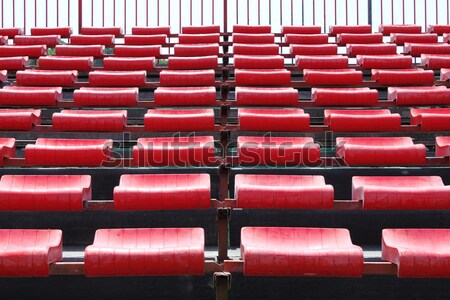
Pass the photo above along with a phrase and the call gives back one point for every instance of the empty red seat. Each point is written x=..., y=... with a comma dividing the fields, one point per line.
x=46, y=78
x=321, y=62
x=246, y=96
x=362, y=120
x=300, y=29
x=78, y=63
x=137, y=51
x=118, y=78
x=295, y=251
x=89, y=120
x=80, y=50
x=282, y=192
x=187, y=77
x=351, y=38
x=435, y=61
x=417, y=252
x=116, y=31
x=419, y=49
x=445, y=74
x=384, y=61
x=63, y=31
x=185, y=96
x=256, y=49
x=401, y=192
x=251, y=29
x=28, y=252
x=44, y=192
x=14, y=63
x=306, y=38
x=209, y=38
x=403, y=77
x=19, y=119
x=258, y=61
x=262, y=76
x=11, y=32
x=48, y=40
x=106, y=97
x=30, y=96
x=439, y=29
x=174, y=151
x=433, y=95
x=146, y=252
x=205, y=29
x=263, y=119
x=129, y=63
x=80, y=39
x=68, y=152
x=150, y=30
x=431, y=119
x=354, y=29
x=401, y=38
x=30, y=51
x=442, y=146
x=248, y=38
x=7, y=149
x=380, y=151
x=277, y=151
x=136, y=40
x=163, y=192
x=179, y=120
x=344, y=96
x=189, y=50
x=371, y=49
x=193, y=63
x=386, y=29
x=309, y=50
x=333, y=77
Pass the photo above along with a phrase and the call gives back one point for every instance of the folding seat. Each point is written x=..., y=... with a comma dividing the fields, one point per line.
x=46, y=78
x=380, y=151
x=193, y=63
x=3, y=40
x=321, y=38
x=258, y=61
x=262, y=77
x=300, y=29
x=353, y=29
x=7, y=149
x=438, y=29
x=19, y=119
x=263, y=119
x=418, y=49
x=435, y=62
x=138, y=40
x=96, y=51
x=209, y=38
x=28, y=40
x=11, y=32
x=256, y=49
x=384, y=61
x=386, y=29
x=282, y=192
x=146, y=252
x=375, y=120
x=417, y=252
x=44, y=192
x=446, y=37
x=179, y=120
x=105, y=97
x=371, y=49
x=431, y=119
x=129, y=63
x=79, y=39
x=62, y=31
x=175, y=151
x=187, y=78
x=344, y=96
x=116, y=31
x=309, y=50
x=14, y=63
x=277, y=151
x=118, y=78
x=248, y=38
x=403, y=77
x=30, y=96
x=188, y=50
x=298, y=251
x=30, y=51
x=137, y=51
x=185, y=96
x=200, y=29
x=321, y=62
x=433, y=95
x=351, y=38
x=89, y=120
x=28, y=252
x=79, y=63
x=401, y=192
x=163, y=192
x=250, y=96
x=251, y=29
x=445, y=74
x=68, y=152
x=3, y=76
x=150, y=30
x=332, y=77
x=442, y=146
x=401, y=38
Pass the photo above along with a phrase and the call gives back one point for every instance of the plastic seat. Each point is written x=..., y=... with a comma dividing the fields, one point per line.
x=28, y=252
x=248, y=38
x=445, y=74
x=401, y=192
x=68, y=152
x=44, y=192
x=344, y=96
x=30, y=96
x=380, y=151
x=14, y=63
x=431, y=119
x=68, y=63
x=351, y=38
x=146, y=252
x=438, y=29
x=403, y=77
x=442, y=146
x=7, y=149
x=277, y=151
x=105, y=97
x=446, y=37
x=333, y=77
x=386, y=29
x=296, y=251
x=371, y=49
x=435, y=62
x=251, y=29
x=433, y=95
x=142, y=40
x=306, y=38
x=250, y=96
x=200, y=29
x=384, y=61
x=262, y=77
x=185, y=96
x=260, y=119
x=27, y=40
x=89, y=120
x=310, y=50
x=174, y=151
x=353, y=29
x=136, y=30
x=206, y=38
x=321, y=62
x=62, y=31
x=193, y=63
x=30, y=51
x=80, y=39
x=415, y=49
x=256, y=49
x=375, y=120
x=417, y=252
x=301, y=29
x=282, y=192
x=179, y=120
x=189, y=50
x=46, y=78
x=116, y=31
x=19, y=119
x=137, y=51
x=118, y=78
x=96, y=51
x=401, y=38
x=11, y=32
x=258, y=61
x=187, y=78
x=129, y=63
x=163, y=192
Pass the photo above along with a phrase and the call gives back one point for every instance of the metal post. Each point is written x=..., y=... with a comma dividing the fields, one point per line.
x=225, y=19
x=80, y=15
x=222, y=285
x=369, y=12
x=223, y=219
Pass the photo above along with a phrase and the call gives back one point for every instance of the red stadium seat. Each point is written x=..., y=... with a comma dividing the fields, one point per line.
x=301, y=29
x=163, y=192
x=79, y=39
x=403, y=77
x=277, y=151
x=256, y=49
x=150, y=30
x=246, y=96
x=116, y=31
x=401, y=38
x=179, y=120
x=68, y=152
x=89, y=120
x=68, y=63
x=353, y=29
x=210, y=38
x=258, y=61
x=28, y=40
x=200, y=29
x=351, y=38
x=11, y=32
x=64, y=32
x=129, y=63
x=380, y=151
x=438, y=29
x=446, y=37
x=118, y=78
x=263, y=119
x=433, y=95
x=46, y=78
x=44, y=192
x=146, y=252
x=310, y=50
x=262, y=77
x=415, y=49
x=193, y=63
x=442, y=146
x=31, y=51
x=185, y=96
x=445, y=74
x=96, y=51
x=306, y=38
x=344, y=96
x=417, y=252
x=30, y=96
x=19, y=119
x=106, y=97
x=28, y=252
x=431, y=119
x=248, y=38
x=354, y=50
x=142, y=40
x=332, y=77
x=401, y=192
x=137, y=51
x=251, y=29
x=321, y=62
x=282, y=192
x=435, y=62
x=386, y=29
x=295, y=251
x=3, y=76
x=187, y=78
x=14, y=63
x=375, y=120
x=384, y=61
x=7, y=149
x=189, y=50
x=174, y=151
